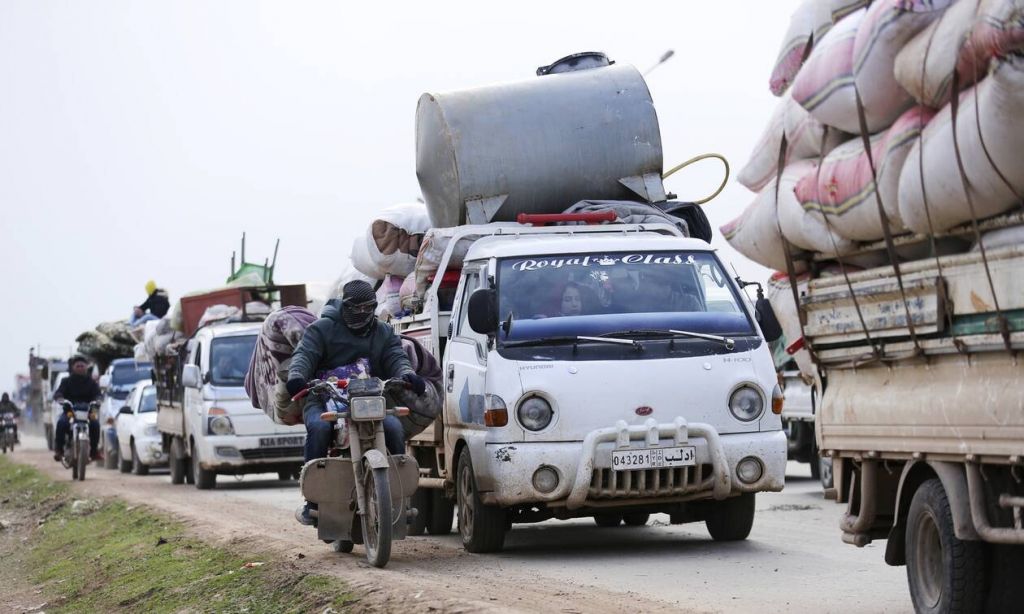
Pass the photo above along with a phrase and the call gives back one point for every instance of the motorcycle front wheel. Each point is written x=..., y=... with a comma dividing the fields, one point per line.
x=83, y=460
x=377, y=517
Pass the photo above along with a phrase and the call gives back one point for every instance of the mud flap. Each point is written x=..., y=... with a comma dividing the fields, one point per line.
x=330, y=483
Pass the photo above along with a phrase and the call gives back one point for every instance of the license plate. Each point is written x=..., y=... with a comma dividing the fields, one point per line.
x=653, y=458
x=282, y=442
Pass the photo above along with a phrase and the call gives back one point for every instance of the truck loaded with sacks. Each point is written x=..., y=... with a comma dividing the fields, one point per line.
x=890, y=185
x=596, y=358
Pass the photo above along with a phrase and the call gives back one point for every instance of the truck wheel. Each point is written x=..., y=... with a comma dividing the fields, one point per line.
x=482, y=526
x=137, y=467
x=343, y=546
x=637, y=519
x=284, y=475
x=109, y=454
x=124, y=465
x=825, y=472
x=944, y=573
x=421, y=501
x=204, y=478
x=176, y=462
x=607, y=521
x=439, y=522
x=732, y=519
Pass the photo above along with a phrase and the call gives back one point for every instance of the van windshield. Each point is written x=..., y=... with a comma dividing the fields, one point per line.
x=617, y=293
x=148, y=402
x=229, y=359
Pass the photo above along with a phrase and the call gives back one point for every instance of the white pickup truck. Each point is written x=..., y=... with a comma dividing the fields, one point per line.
x=594, y=371
x=208, y=423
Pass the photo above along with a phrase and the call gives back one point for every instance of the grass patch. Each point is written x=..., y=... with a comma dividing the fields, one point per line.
x=102, y=556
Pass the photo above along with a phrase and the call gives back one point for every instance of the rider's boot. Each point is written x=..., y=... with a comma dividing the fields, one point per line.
x=304, y=517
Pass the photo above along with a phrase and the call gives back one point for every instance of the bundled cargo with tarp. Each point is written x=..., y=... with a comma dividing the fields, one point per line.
x=108, y=341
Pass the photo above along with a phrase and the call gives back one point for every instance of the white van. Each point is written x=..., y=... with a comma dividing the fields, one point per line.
x=209, y=425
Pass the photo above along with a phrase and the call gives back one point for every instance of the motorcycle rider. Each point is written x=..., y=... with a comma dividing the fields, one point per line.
x=78, y=388
x=7, y=406
x=347, y=332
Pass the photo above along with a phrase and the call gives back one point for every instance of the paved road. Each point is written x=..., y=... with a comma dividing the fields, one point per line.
x=793, y=560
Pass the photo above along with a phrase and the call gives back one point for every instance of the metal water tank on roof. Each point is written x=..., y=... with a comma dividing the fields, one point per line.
x=585, y=129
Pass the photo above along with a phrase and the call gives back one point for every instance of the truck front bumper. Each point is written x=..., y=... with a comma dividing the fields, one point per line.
x=251, y=453
x=586, y=478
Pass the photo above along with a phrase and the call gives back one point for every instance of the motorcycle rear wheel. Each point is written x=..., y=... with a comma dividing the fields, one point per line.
x=377, y=517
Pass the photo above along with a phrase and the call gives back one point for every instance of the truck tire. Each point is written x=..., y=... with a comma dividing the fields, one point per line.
x=137, y=467
x=176, y=462
x=285, y=475
x=442, y=511
x=482, y=527
x=825, y=473
x=732, y=519
x=204, y=478
x=607, y=521
x=421, y=502
x=124, y=465
x=636, y=519
x=945, y=575
x=109, y=454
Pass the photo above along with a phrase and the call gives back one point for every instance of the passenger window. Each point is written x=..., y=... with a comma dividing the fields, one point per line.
x=472, y=283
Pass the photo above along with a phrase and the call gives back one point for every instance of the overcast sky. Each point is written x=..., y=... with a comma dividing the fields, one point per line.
x=139, y=140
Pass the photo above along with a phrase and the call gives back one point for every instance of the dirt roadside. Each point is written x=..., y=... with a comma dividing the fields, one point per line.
x=424, y=575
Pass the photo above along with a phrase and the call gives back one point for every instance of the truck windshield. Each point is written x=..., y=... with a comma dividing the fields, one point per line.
x=148, y=401
x=613, y=294
x=229, y=359
x=128, y=374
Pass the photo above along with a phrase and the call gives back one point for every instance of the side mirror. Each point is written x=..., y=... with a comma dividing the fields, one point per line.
x=191, y=377
x=124, y=410
x=483, y=311
x=104, y=381
x=766, y=319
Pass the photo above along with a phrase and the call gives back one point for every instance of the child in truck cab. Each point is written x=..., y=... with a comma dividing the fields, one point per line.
x=347, y=333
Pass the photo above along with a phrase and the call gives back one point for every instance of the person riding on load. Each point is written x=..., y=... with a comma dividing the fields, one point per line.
x=348, y=338
x=155, y=306
x=79, y=389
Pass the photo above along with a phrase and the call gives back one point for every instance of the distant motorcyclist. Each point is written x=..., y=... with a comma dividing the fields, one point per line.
x=156, y=305
x=7, y=407
x=346, y=334
x=77, y=388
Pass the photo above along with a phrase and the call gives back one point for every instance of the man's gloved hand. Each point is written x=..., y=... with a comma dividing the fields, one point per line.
x=418, y=385
x=295, y=385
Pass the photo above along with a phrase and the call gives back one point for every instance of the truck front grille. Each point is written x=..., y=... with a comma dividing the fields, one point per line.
x=269, y=453
x=611, y=484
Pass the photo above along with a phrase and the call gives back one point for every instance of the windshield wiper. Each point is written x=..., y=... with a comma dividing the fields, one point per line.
x=728, y=342
x=573, y=339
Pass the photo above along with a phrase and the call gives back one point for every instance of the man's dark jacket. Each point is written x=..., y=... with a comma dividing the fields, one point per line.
x=78, y=389
x=328, y=344
x=157, y=303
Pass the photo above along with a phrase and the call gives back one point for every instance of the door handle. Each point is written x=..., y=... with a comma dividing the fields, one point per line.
x=451, y=378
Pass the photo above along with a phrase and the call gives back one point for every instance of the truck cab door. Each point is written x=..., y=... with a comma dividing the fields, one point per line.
x=192, y=398
x=465, y=362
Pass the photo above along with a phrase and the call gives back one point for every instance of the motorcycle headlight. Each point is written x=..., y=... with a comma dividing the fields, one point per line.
x=746, y=403
x=535, y=414
x=367, y=408
x=221, y=425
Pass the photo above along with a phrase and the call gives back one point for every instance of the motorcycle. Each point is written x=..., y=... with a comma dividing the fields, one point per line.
x=76, y=447
x=362, y=493
x=8, y=432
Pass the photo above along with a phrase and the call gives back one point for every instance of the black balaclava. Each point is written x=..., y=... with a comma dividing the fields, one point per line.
x=358, y=306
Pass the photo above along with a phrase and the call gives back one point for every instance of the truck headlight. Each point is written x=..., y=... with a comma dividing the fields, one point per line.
x=746, y=403
x=535, y=414
x=221, y=425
